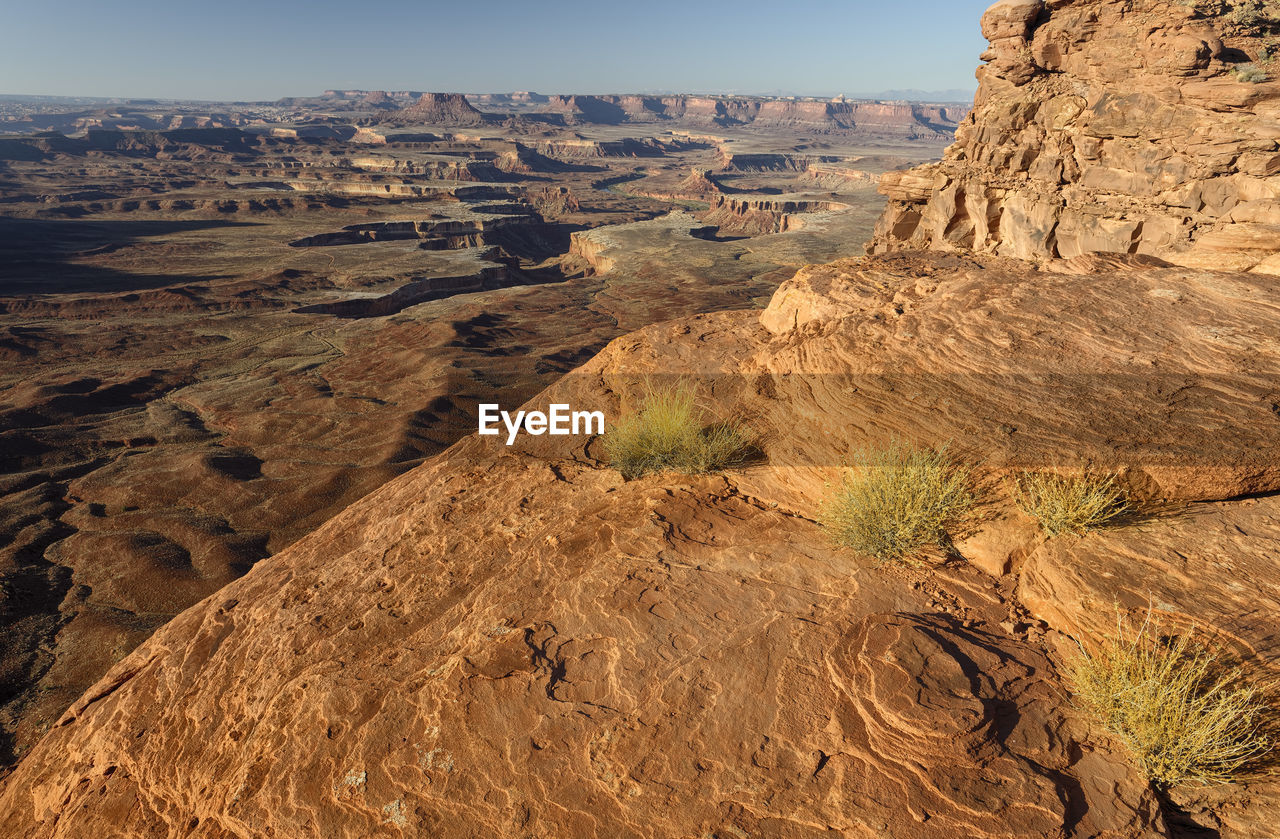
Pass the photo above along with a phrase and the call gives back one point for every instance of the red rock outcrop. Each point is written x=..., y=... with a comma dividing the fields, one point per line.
x=587, y=108
x=578, y=148
x=439, y=109
x=758, y=216
x=837, y=177
x=1108, y=126
x=514, y=640
x=393, y=675
x=1212, y=566
x=698, y=183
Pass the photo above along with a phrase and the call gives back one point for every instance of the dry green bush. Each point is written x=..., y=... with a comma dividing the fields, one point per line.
x=897, y=501
x=667, y=433
x=1250, y=73
x=1254, y=14
x=1070, y=503
x=1179, y=705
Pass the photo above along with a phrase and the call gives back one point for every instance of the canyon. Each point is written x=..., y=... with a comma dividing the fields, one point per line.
x=275, y=585
x=221, y=326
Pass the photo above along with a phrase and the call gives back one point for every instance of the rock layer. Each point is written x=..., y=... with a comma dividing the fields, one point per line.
x=971, y=351
x=515, y=641
x=1212, y=568
x=1108, y=126
x=457, y=656
x=876, y=119
x=440, y=109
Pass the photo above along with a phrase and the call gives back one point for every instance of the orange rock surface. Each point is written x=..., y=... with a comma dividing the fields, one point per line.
x=515, y=641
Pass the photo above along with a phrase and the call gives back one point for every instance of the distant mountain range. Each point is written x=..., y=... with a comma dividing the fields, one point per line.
x=910, y=95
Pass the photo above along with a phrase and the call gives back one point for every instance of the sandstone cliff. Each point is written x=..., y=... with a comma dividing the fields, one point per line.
x=1127, y=126
x=515, y=641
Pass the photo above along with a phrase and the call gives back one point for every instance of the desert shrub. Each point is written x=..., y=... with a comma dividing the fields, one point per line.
x=1179, y=705
x=1254, y=14
x=1250, y=15
x=1251, y=73
x=898, y=500
x=667, y=432
x=1070, y=503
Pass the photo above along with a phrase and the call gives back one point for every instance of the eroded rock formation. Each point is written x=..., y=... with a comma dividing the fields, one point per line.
x=877, y=119
x=1125, y=126
x=514, y=640
x=756, y=216
x=440, y=109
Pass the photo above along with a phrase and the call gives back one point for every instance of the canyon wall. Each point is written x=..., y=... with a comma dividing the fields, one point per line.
x=1125, y=126
x=889, y=119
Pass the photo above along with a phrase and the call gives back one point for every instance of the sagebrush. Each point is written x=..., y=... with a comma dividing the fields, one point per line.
x=1250, y=73
x=1249, y=15
x=1070, y=503
x=1254, y=14
x=668, y=432
x=1184, y=710
x=898, y=500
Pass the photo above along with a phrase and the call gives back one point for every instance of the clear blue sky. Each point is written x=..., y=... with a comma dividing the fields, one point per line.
x=264, y=50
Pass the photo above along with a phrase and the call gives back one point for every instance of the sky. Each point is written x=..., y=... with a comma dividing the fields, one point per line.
x=237, y=50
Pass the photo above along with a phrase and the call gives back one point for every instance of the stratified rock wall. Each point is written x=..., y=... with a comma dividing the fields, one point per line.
x=905, y=120
x=441, y=109
x=1123, y=126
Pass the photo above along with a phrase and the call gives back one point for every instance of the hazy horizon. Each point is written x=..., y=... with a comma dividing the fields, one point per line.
x=239, y=51
x=959, y=95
